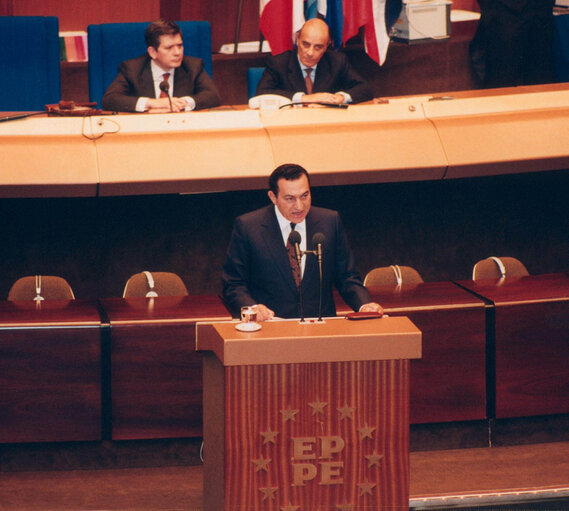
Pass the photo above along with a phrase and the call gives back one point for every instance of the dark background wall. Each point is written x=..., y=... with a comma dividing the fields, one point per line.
x=441, y=228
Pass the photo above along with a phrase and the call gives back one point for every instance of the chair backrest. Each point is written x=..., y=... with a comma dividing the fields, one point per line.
x=29, y=60
x=109, y=44
x=498, y=268
x=39, y=288
x=253, y=77
x=150, y=285
x=392, y=275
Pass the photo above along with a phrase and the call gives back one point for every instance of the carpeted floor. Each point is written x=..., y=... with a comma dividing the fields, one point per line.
x=520, y=477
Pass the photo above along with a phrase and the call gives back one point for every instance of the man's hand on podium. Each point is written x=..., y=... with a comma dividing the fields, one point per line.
x=371, y=307
x=264, y=313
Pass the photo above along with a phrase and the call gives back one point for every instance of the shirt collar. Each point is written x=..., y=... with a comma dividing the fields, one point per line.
x=304, y=68
x=285, y=228
x=158, y=72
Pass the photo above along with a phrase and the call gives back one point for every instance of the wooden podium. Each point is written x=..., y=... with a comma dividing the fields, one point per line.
x=299, y=417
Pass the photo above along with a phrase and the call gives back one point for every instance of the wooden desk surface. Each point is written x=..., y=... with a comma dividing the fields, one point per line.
x=517, y=290
x=56, y=313
x=333, y=340
x=164, y=309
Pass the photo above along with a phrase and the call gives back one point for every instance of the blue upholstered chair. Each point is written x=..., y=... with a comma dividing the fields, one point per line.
x=29, y=60
x=111, y=43
x=253, y=76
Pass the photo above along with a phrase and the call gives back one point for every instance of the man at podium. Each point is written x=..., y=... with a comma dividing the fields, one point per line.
x=267, y=244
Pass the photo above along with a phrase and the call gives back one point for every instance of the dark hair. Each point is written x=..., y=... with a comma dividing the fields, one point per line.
x=159, y=28
x=288, y=171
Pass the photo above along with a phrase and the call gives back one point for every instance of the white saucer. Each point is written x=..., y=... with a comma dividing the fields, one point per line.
x=248, y=327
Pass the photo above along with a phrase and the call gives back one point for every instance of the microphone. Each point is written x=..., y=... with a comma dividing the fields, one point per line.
x=318, y=240
x=294, y=239
x=165, y=87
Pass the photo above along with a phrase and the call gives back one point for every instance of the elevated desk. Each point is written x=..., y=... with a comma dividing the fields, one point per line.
x=50, y=371
x=307, y=416
x=448, y=383
x=156, y=374
x=406, y=139
x=531, y=343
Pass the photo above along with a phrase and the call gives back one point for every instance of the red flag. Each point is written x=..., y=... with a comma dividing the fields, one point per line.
x=276, y=24
x=369, y=14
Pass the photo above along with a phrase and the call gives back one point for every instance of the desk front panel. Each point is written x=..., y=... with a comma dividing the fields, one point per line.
x=362, y=144
x=503, y=134
x=48, y=157
x=156, y=373
x=449, y=382
x=532, y=359
x=156, y=382
x=50, y=372
x=531, y=343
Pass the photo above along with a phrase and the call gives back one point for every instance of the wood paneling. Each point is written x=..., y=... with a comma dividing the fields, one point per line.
x=156, y=382
x=223, y=19
x=50, y=372
x=156, y=374
x=75, y=15
x=531, y=343
x=454, y=338
x=358, y=409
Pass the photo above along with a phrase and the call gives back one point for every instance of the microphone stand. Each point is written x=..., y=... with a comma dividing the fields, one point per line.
x=319, y=251
x=318, y=254
x=165, y=87
x=299, y=260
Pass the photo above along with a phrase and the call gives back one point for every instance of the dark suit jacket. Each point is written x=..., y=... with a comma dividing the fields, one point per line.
x=135, y=80
x=257, y=268
x=513, y=44
x=334, y=73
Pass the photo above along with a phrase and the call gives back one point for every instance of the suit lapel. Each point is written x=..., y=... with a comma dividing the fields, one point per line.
x=295, y=74
x=146, y=82
x=322, y=76
x=180, y=78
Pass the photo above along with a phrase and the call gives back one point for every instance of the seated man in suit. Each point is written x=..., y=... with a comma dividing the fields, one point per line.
x=144, y=83
x=312, y=73
x=258, y=270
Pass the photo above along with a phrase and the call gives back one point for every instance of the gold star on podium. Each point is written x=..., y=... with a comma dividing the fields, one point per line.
x=317, y=406
x=289, y=414
x=345, y=507
x=261, y=464
x=366, y=488
x=373, y=459
x=268, y=493
x=269, y=436
x=346, y=412
x=365, y=431
x=290, y=507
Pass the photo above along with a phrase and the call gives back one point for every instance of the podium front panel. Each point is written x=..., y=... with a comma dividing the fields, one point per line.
x=307, y=436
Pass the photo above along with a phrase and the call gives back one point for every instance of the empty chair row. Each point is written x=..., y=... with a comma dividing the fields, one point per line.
x=143, y=284
x=489, y=268
x=152, y=284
